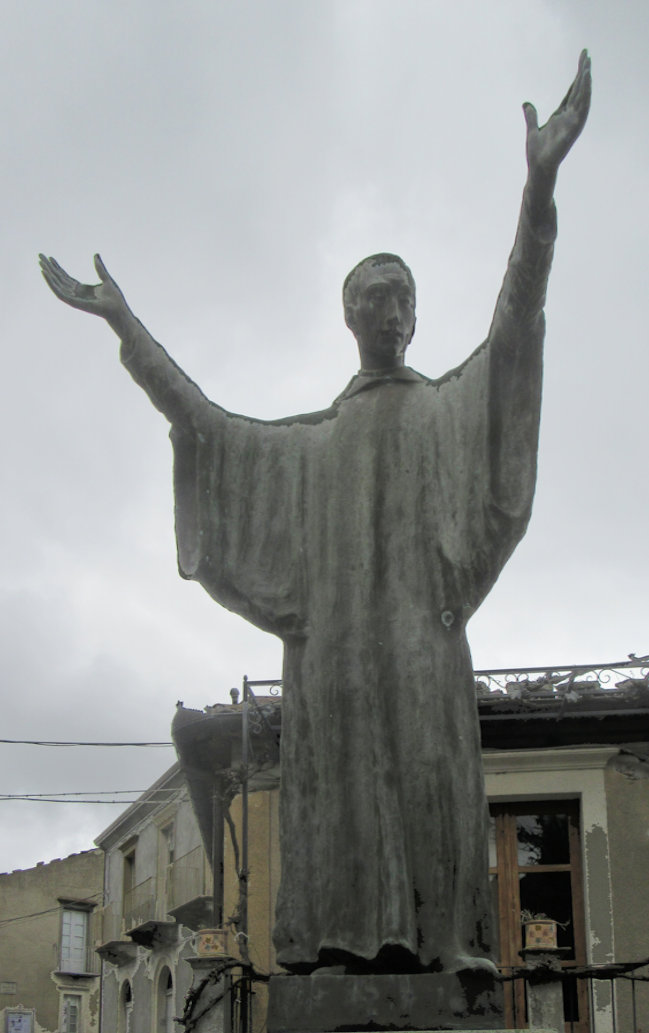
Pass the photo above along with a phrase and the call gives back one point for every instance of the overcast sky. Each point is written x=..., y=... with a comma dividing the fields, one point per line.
x=232, y=161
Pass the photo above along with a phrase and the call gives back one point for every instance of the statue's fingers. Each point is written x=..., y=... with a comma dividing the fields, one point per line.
x=59, y=275
x=102, y=271
x=46, y=268
x=54, y=264
x=46, y=264
x=580, y=98
x=531, y=117
x=57, y=279
x=64, y=280
x=52, y=283
x=43, y=263
x=579, y=92
x=585, y=84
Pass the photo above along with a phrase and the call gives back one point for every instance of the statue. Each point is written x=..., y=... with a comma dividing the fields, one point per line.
x=365, y=536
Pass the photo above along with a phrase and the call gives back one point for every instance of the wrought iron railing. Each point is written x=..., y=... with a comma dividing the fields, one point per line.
x=187, y=878
x=597, y=998
x=78, y=961
x=107, y=925
x=140, y=904
x=572, y=682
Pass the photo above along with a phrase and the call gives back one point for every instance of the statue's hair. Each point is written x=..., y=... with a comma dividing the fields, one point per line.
x=350, y=286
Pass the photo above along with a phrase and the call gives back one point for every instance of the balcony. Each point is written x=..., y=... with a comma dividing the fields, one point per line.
x=110, y=938
x=139, y=903
x=145, y=916
x=189, y=890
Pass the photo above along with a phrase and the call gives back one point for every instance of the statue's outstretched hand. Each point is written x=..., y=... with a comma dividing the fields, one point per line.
x=103, y=299
x=548, y=145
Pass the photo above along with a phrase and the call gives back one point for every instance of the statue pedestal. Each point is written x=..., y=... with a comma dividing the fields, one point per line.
x=320, y=1003
x=210, y=1010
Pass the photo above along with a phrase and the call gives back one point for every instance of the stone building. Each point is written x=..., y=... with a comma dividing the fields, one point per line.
x=156, y=878
x=49, y=972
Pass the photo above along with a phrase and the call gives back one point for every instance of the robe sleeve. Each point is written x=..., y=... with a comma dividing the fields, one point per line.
x=237, y=489
x=515, y=365
x=491, y=409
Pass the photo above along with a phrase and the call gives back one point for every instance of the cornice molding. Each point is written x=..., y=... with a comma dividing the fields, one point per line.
x=574, y=758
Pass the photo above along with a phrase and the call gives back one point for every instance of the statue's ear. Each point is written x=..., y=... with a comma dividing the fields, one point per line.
x=414, y=327
x=349, y=317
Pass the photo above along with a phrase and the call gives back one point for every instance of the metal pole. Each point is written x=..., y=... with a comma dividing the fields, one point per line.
x=243, y=876
x=217, y=852
x=244, y=806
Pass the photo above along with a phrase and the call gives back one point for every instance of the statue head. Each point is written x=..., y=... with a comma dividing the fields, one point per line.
x=379, y=303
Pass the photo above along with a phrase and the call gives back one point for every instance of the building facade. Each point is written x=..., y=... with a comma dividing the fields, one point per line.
x=156, y=879
x=49, y=972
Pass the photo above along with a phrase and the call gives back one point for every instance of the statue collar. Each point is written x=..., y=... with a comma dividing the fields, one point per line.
x=366, y=379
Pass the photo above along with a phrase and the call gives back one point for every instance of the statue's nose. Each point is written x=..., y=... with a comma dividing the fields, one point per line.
x=392, y=310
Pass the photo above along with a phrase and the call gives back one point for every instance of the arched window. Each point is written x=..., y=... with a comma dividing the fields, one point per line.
x=165, y=1002
x=125, y=1008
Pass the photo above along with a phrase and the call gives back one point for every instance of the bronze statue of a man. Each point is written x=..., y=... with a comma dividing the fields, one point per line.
x=365, y=536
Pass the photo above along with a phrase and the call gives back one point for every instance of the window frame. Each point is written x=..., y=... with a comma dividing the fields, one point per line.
x=508, y=870
x=77, y=998
x=65, y=965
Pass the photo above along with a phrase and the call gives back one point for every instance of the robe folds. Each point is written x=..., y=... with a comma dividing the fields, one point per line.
x=365, y=536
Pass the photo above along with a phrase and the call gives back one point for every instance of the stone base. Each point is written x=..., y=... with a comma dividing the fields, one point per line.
x=468, y=1000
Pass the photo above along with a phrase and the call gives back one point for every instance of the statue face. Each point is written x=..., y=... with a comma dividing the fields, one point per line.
x=382, y=315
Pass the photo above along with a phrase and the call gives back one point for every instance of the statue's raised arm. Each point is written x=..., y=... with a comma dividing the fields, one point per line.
x=170, y=390
x=515, y=340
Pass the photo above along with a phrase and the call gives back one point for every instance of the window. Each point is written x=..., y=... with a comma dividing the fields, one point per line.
x=125, y=1009
x=128, y=880
x=165, y=1003
x=167, y=844
x=74, y=941
x=71, y=1018
x=19, y=1021
x=535, y=866
x=167, y=856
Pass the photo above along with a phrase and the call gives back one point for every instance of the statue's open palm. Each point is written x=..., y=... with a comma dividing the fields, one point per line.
x=548, y=145
x=102, y=299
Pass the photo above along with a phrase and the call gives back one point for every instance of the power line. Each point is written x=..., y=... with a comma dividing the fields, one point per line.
x=44, y=799
x=39, y=742
x=66, y=797
x=94, y=899
x=84, y=792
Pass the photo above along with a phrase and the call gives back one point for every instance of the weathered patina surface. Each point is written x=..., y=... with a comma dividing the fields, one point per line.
x=365, y=536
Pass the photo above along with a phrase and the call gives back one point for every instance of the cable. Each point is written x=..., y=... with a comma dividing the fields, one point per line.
x=155, y=796
x=84, y=792
x=40, y=799
x=94, y=899
x=38, y=742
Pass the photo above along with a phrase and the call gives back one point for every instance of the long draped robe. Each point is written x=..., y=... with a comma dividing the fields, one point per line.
x=365, y=536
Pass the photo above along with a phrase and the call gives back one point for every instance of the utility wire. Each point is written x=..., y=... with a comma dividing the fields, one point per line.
x=41, y=799
x=94, y=899
x=154, y=796
x=43, y=742
x=85, y=792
